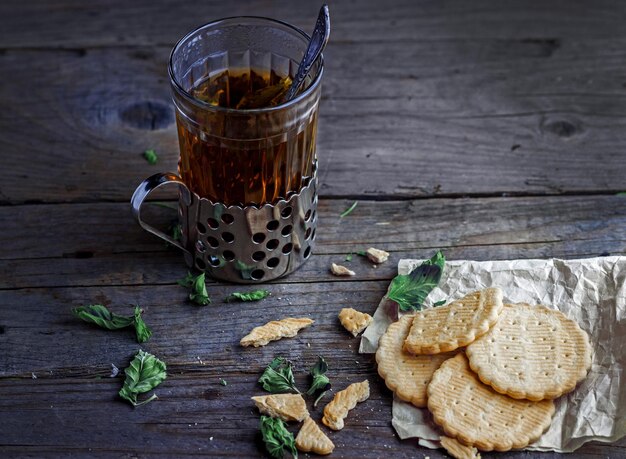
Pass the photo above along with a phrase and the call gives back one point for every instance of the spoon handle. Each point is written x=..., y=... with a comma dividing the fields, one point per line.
x=319, y=38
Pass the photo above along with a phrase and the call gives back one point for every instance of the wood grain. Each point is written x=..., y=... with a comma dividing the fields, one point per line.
x=99, y=244
x=518, y=105
x=444, y=117
x=192, y=409
x=117, y=23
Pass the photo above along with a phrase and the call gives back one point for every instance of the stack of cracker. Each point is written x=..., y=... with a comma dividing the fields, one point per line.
x=487, y=371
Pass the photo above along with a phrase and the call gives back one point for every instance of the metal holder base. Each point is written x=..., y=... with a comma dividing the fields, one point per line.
x=250, y=244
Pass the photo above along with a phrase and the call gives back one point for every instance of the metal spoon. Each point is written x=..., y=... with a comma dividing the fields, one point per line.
x=319, y=38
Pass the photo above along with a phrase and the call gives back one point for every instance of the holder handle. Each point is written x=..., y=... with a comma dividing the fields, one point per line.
x=145, y=188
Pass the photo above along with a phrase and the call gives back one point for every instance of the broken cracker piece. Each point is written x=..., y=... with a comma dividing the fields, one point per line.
x=377, y=256
x=354, y=321
x=407, y=375
x=458, y=450
x=457, y=324
x=275, y=330
x=343, y=402
x=288, y=407
x=339, y=270
x=312, y=439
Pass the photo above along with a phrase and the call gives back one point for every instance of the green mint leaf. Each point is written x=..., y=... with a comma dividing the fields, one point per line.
x=318, y=374
x=349, y=257
x=439, y=303
x=199, y=294
x=277, y=438
x=347, y=212
x=319, y=397
x=362, y=253
x=255, y=295
x=141, y=329
x=176, y=230
x=621, y=193
x=278, y=377
x=186, y=281
x=150, y=156
x=101, y=316
x=410, y=290
x=144, y=374
x=223, y=382
x=167, y=205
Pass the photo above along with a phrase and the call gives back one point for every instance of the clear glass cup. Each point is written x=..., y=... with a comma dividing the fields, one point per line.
x=244, y=157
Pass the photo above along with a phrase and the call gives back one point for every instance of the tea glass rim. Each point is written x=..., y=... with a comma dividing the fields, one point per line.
x=233, y=20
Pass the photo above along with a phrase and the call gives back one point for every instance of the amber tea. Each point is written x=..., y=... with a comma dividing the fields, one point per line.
x=234, y=158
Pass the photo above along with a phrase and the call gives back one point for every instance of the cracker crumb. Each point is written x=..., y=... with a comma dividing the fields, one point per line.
x=376, y=255
x=339, y=270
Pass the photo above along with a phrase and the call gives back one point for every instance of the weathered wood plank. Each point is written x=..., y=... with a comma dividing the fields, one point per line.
x=190, y=411
x=98, y=244
x=36, y=323
x=118, y=23
x=200, y=345
x=442, y=117
x=90, y=230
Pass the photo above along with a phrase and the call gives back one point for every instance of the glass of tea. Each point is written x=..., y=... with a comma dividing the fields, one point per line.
x=247, y=167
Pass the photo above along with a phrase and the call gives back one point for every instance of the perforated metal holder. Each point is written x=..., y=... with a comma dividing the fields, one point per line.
x=248, y=244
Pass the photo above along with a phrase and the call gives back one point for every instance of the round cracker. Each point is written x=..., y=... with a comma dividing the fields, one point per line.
x=532, y=352
x=476, y=415
x=446, y=328
x=407, y=375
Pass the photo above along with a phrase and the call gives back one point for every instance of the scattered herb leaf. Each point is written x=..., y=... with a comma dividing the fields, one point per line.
x=347, y=212
x=142, y=331
x=101, y=316
x=410, y=290
x=151, y=156
x=255, y=295
x=621, y=193
x=223, y=382
x=277, y=438
x=278, y=377
x=362, y=253
x=197, y=284
x=167, y=205
x=349, y=257
x=144, y=374
x=439, y=303
x=176, y=230
x=186, y=281
x=199, y=295
x=319, y=397
x=318, y=374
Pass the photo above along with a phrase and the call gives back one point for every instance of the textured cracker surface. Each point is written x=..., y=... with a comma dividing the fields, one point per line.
x=312, y=439
x=476, y=415
x=275, y=330
x=446, y=328
x=338, y=408
x=407, y=375
x=531, y=352
x=288, y=407
x=458, y=450
x=354, y=321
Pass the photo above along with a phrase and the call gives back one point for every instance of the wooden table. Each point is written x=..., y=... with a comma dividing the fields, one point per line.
x=490, y=130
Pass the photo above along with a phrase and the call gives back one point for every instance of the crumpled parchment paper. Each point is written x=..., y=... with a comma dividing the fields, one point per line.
x=590, y=291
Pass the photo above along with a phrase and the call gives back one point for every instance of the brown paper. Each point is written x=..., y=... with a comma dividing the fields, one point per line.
x=590, y=291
